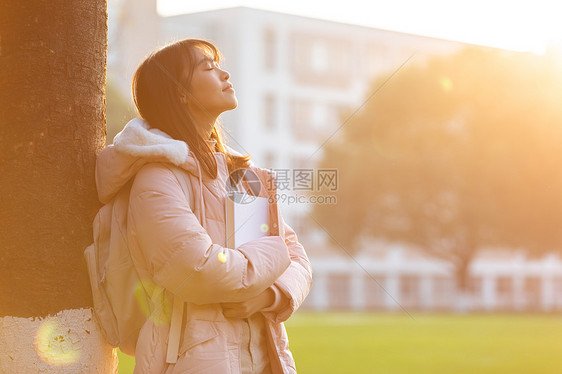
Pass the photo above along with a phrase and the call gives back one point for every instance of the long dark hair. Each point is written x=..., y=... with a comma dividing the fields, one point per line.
x=155, y=91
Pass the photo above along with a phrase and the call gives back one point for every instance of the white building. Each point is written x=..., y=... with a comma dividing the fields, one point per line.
x=294, y=76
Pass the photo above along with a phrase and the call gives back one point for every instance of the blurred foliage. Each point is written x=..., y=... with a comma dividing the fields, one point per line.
x=453, y=154
x=119, y=110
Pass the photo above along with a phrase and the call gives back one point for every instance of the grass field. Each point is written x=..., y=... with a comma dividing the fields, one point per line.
x=424, y=343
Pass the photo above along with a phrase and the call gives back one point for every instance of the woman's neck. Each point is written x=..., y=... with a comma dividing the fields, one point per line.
x=205, y=123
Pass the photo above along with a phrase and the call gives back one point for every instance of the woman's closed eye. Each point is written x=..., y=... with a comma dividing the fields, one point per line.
x=211, y=65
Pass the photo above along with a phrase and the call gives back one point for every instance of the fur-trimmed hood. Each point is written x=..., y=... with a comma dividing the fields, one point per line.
x=133, y=147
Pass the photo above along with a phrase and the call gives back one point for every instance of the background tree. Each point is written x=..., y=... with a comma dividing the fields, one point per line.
x=52, y=124
x=119, y=111
x=452, y=155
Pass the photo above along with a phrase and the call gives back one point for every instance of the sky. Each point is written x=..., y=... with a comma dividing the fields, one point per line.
x=517, y=25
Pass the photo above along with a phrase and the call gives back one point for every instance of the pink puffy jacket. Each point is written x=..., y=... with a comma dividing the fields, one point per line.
x=177, y=242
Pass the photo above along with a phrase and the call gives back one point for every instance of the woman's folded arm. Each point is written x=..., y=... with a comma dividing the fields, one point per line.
x=180, y=254
x=294, y=283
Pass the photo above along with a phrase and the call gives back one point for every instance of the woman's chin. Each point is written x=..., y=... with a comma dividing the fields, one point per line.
x=233, y=104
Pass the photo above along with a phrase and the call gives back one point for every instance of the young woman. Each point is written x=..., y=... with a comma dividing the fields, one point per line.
x=217, y=309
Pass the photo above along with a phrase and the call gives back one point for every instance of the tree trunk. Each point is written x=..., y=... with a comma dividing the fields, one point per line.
x=52, y=125
x=463, y=297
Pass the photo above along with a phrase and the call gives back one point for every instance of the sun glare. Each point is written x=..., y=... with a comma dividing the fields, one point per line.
x=521, y=25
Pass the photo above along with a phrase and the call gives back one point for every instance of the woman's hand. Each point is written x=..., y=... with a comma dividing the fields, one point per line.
x=245, y=309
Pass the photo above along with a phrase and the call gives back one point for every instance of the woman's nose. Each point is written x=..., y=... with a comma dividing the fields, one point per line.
x=226, y=75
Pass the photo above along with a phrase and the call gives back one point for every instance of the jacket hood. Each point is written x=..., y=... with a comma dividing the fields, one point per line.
x=136, y=145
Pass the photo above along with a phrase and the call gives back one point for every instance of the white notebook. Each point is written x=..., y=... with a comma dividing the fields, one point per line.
x=247, y=218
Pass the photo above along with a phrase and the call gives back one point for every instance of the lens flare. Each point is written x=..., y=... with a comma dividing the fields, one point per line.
x=223, y=257
x=54, y=343
x=264, y=227
x=158, y=309
x=446, y=84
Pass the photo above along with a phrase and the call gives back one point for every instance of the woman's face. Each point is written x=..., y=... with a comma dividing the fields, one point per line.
x=210, y=88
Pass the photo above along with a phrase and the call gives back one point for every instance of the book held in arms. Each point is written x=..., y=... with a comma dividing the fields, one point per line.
x=247, y=218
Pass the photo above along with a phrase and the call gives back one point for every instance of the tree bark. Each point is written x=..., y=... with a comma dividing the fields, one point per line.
x=52, y=125
x=463, y=296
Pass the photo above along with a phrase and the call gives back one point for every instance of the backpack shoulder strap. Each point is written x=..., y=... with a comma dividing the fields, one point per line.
x=177, y=309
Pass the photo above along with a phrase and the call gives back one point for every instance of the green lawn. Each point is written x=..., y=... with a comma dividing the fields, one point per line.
x=427, y=343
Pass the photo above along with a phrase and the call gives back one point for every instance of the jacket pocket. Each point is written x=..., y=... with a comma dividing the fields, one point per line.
x=199, y=340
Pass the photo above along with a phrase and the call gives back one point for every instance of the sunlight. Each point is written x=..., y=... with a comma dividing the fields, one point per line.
x=54, y=344
x=446, y=84
x=159, y=308
x=520, y=26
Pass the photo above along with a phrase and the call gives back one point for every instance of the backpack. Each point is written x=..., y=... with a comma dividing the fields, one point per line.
x=122, y=299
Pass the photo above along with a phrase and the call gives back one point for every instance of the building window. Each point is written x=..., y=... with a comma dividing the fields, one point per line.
x=475, y=286
x=269, y=112
x=269, y=49
x=339, y=295
x=309, y=118
x=321, y=61
x=377, y=60
x=533, y=291
x=299, y=117
x=444, y=290
x=409, y=290
x=504, y=288
x=374, y=292
x=319, y=115
x=319, y=58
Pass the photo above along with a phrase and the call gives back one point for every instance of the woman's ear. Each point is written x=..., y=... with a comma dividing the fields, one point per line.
x=182, y=96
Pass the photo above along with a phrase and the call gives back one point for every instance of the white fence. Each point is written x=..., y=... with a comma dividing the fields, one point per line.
x=399, y=278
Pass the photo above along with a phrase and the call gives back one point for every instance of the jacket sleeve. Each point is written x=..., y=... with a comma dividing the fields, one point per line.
x=181, y=257
x=292, y=287
x=280, y=301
